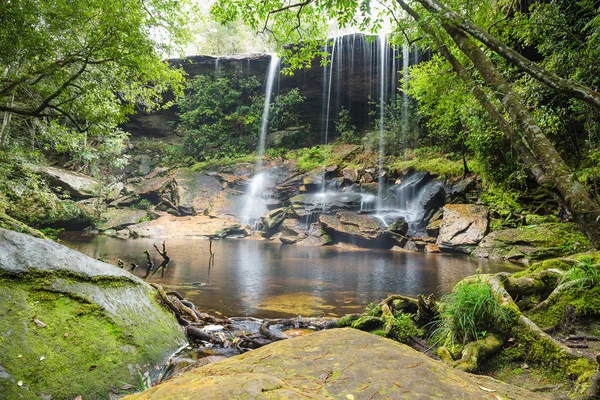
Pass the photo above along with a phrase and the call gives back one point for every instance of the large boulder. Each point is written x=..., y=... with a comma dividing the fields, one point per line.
x=72, y=325
x=151, y=189
x=533, y=243
x=339, y=363
x=117, y=219
x=77, y=185
x=463, y=227
x=364, y=230
x=195, y=190
x=326, y=202
x=191, y=226
x=433, y=197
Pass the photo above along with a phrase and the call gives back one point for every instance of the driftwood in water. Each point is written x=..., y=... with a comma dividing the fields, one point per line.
x=269, y=334
x=148, y=266
x=198, y=334
x=166, y=259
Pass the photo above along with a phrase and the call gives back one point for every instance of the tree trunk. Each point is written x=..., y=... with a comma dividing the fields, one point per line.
x=517, y=141
x=584, y=208
x=566, y=86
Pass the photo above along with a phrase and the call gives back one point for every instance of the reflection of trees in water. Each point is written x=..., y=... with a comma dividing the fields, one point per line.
x=246, y=273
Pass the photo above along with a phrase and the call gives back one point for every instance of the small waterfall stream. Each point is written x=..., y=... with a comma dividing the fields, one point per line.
x=255, y=198
x=383, y=73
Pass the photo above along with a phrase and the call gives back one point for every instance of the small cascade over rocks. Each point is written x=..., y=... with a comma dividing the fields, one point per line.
x=257, y=195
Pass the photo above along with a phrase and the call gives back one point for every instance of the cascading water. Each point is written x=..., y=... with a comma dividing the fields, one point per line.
x=383, y=73
x=255, y=198
x=271, y=74
x=405, y=120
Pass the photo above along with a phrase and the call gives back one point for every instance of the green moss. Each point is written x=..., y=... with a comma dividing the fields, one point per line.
x=379, y=332
x=585, y=302
x=82, y=349
x=373, y=310
x=346, y=320
x=402, y=327
x=367, y=323
x=88, y=309
x=427, y=159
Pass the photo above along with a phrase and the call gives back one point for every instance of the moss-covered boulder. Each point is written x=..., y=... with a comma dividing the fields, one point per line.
x=71, y=325
x=341, y=364
x=533, y=243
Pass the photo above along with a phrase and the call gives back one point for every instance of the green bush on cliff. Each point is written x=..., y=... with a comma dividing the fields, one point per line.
x=221, y=115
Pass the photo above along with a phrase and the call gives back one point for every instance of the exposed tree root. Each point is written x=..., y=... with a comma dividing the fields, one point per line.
x=475, y=352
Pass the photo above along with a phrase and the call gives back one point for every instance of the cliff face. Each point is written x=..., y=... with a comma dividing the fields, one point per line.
x=360, y=68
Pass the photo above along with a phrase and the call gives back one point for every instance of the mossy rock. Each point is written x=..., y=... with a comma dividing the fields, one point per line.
x=71, y=325
x=339, y=364
x=367, y=323
x=533, y=243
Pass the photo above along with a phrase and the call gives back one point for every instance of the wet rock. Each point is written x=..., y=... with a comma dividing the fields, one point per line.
x=433, y=228
x=151, y=189
x=289, y=187
x=461, y=188
x=292, y=227
x=114, y=191
x=226, y=204
x=312, y=183
x=399, y=226
x=272, y=220
x=290, y=239
x=78, y=186
x=360, y=229
x=415, y=182
x=291, y=369
x=463, y=227
x=98, y=333
x=533, y=243
x=327, y=202
x=195, y=190
x=350, y=174
x=366, y=178
x=118, y=219
x=316, y=236
x=431, y=248
x=433, y=197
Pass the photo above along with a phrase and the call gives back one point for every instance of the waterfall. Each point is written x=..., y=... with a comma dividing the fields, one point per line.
x=270, y=78
x=383, y=72
x=405, y=122
x=255, y=198
x=330, y=81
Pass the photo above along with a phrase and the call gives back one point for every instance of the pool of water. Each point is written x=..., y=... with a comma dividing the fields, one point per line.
x=264, y=279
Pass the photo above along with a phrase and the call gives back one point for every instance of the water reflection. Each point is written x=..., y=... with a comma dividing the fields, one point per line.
x=265, y=279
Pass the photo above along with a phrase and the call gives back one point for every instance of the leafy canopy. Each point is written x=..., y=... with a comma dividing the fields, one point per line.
x=77, y=67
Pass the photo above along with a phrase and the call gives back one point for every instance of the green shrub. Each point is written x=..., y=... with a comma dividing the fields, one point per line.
x=221, y=115
x=468, y=312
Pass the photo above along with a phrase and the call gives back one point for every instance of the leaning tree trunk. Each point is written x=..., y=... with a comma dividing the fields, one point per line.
x=584, y=208
x=549, y=78
x=505, y=127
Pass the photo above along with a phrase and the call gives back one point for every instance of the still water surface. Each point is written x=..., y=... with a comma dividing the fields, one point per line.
x=263, y=279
